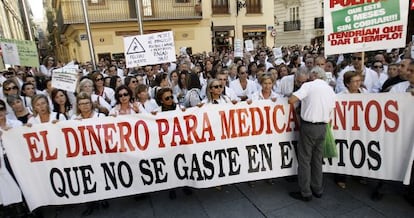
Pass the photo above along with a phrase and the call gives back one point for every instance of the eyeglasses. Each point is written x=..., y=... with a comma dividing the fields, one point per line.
x=10, y=88
x=242, y=72
x=377, y=66
x=123, y=94
x=134, y=81
x=51, y=60
x=84, y=103
x=217, y=86
x=99, y=79
x=357, y=58
x=168, y=98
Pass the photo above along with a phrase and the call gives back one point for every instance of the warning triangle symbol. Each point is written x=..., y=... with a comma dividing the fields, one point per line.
x=135, y=47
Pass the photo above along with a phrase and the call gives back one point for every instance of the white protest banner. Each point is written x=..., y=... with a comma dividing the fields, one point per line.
x=365, y=25
x=19, y=52
x=9, y=191
x=238, y=48
x=65, y=78
x=80, y=161
x=248, y=44
x=155, y=48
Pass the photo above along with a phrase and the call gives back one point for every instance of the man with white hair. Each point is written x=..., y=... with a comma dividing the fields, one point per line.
x=317, y=102
x=291, y=83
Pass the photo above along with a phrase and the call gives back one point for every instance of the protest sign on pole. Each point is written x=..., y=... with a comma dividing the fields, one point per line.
x=65, y=78
x=356, y=26
x=155, y=48
x=238, y=48
x=93, y=159
x=19, y=52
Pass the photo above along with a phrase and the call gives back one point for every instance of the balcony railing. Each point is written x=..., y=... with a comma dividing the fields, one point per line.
x=220, y=6
x=125, y=10
x=291, y=25
x=319, y=23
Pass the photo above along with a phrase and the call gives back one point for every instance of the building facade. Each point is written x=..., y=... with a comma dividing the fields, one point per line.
x=298, y=22
x=11, y=22
x=202, y=25
x=244, y=20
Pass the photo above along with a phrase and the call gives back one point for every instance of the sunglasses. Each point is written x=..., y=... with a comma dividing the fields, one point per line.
x=123, y=94
x=134, y=81
x=10, y=88
x=357, y=58
x=217, y=86
x=99, y=79
x=168, y=98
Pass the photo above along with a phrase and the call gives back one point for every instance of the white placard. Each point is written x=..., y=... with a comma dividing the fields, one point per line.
x=238, y=48
x=10, y=53
x=277, y=52
x=65, y=78
x=248, y=44
x=155, y=48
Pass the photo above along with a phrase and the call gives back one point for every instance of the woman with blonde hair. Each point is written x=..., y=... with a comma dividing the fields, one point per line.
x=85, y=108
x=41, y=111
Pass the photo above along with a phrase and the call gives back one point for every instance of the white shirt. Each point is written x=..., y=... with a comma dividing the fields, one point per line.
x=237, y=88
x=259, y=96
x=371, y=80
x=52, y=117
x=150, y=105
x=317, y=101
x=400, y=87
x=94, y=115
x=286, y=85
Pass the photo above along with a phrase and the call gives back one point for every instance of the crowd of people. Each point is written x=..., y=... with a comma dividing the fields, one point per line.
x=27, y=96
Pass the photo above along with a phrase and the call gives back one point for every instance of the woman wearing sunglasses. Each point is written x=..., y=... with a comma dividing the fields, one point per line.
x=165, y=100
x=100, y=89
x=10, y=87
x=125, y=102
x=214, y=93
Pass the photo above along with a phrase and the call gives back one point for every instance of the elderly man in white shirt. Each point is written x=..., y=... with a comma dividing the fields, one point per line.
x=317, y=103
x=289, y=84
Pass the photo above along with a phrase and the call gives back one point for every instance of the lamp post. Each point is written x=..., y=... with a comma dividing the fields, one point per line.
x=88, y=32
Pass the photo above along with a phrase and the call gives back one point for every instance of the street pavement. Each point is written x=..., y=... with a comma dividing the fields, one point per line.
x=262, y=200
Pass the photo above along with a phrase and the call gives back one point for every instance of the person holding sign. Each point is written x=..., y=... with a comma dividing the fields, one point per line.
x=85, y=108
x=125, y=102
x=243, y=87
x=266, y=93
x=214, y=93
x=21, y=112
x=317, y=103
x=41, y=111
x=86, y=85
x=370, y=77
x=353, y=83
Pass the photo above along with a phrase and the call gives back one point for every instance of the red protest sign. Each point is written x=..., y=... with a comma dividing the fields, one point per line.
x=412, y=4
